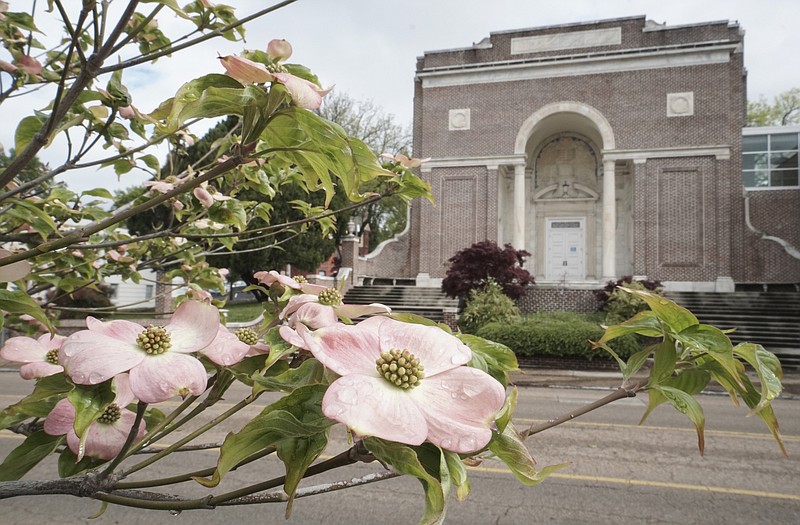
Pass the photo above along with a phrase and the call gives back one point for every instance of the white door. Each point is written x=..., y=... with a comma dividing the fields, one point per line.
x=566, y=250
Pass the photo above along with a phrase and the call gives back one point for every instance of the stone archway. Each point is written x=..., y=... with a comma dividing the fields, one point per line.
x=562, y=119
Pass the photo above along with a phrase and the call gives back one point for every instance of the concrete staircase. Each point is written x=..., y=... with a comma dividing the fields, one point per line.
x=771, y=319
x=427, y=302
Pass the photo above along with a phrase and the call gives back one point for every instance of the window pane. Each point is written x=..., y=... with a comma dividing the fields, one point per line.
x=751, y=161
x=784, y=178
x=783, y=141
x=754, y=143
x=785, y=160
x=755, y=179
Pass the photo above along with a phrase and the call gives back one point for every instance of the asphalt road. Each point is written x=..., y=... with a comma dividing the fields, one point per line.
x=620, y=473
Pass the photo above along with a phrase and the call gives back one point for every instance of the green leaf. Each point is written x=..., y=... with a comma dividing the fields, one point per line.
x=309, y=372
x=68, y=464
x=663, y=362
x=23, y=20
x=768, y=368
x=676, y=317
x=458, y=474
x=39, y=403
x=35, y=448
x=644, y=323
x=19, y=302
x=706, y=339
x=229, y=212
x=692, y=381
x=99, y=192
x=688, y=406
x=297, y=454
x=27, y=128
x=403, y=459
x=297, y=415
x=511, y=450
x=89, y=403
x=635, y=362
x=412, y=319
x=499, y=358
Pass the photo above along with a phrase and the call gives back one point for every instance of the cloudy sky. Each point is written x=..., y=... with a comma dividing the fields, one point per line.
x=368, y=48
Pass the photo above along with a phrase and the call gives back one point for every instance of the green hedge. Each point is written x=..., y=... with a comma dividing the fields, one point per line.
x=561, y=334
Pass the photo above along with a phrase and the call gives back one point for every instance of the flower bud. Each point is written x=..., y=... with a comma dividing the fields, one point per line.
x=279, y=50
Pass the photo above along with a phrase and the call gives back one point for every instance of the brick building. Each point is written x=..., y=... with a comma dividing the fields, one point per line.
x=605, y=149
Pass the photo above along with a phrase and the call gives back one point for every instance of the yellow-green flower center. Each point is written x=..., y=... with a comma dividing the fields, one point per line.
x=247, y=335
x=52, y=356
x=276, y=68
x=154, y=340
x=300, y=279
x=401, y=368
x=110, y=415
x=330, y=297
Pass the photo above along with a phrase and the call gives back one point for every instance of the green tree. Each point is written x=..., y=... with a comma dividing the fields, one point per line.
x=366, y=121
x=783, y=111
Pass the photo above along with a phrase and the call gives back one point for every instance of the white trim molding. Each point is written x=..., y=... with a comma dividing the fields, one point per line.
x=640, y=156
x=491, y=162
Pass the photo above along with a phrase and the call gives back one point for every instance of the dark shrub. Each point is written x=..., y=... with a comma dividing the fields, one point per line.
x=471, y=267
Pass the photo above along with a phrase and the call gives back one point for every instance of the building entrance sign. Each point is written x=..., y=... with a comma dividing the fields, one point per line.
x=566, y=249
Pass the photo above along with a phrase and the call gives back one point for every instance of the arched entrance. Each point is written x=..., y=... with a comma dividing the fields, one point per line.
x=565, y=196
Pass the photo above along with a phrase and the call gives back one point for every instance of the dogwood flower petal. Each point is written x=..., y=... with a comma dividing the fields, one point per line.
x=452, y=423
x=226, y=349
x=344, y=349
x=193, y=326
x=245, y=70
x=434, y=347
x=163, y=376
x=304, y=93
x=372, y=407
x=104, y=441
x=90, y=357
x=60, y=420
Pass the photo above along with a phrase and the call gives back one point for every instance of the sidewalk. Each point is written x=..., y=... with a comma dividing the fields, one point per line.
x=609, y=380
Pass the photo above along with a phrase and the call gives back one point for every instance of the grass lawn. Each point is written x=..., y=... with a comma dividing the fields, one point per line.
x=236, y=313
x=241, y=313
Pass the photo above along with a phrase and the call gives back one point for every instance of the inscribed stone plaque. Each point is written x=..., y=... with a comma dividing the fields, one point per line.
x=572, y=40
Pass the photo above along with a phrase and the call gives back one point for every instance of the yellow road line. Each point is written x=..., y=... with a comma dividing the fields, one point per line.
x=657, y=484
x=727, y=433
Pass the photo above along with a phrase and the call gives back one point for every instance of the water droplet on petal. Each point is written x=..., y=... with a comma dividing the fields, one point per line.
x=446, y=443
x=95, y=378
x=454, y=394
x=445, y=385
x=334, y=410
x=476, y=372
x=463, y=397
x=347, y=395
x=468, y=443
x=78, y=377
x=457, y=359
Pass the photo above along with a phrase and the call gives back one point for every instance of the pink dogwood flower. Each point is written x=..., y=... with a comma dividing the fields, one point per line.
x=157, y=357
x=406, y=383
x=295, y=283
x=317, y=311
x=228, y=348
x=106, y=435
x=39, y=357
x=305, y=93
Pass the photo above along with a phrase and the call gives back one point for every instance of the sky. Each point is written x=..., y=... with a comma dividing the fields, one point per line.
x=368, y=48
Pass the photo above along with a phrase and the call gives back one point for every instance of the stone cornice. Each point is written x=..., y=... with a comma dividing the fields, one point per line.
x=638, y=156
x=492, y=162
x=700, y=53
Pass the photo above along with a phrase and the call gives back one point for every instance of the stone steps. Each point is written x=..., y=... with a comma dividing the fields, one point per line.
x=771, y=319
x=427, y=302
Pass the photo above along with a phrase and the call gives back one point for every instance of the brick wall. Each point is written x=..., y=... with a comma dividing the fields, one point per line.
x=540, y=299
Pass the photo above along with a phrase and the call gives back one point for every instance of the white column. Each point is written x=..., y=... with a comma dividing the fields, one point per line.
x=609, y=221
x=519, y=207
